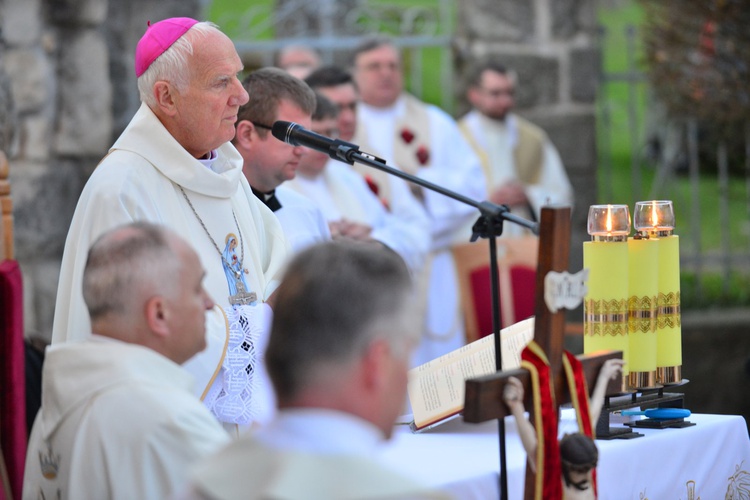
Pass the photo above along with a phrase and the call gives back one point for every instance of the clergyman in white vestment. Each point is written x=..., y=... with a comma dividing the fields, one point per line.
x=422, y=140
x=174, y=165
x=352, y=209
x=522, y=166
x=118, y=418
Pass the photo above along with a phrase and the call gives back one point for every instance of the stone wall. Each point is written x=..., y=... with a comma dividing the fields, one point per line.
x=552, y=45
x=67, y=89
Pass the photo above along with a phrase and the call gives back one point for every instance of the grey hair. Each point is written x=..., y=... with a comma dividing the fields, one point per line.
x=173, y=65
x=335, y=300
x=126, y=265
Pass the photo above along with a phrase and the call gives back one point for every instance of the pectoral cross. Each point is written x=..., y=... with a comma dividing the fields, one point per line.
x=483, y=399
x=242, y=297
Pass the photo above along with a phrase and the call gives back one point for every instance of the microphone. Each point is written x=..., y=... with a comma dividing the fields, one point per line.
x=296, y=135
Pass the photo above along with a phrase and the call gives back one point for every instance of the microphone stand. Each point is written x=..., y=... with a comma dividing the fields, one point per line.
x=489, y=225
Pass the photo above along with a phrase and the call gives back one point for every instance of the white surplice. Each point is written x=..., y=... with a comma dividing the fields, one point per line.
x=140, y=179
x=341, y=193
x=497, y=140
x=302, y=221
x=310, y=454
x=455, y=166
x=117, y=421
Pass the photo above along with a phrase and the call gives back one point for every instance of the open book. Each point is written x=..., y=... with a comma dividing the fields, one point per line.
x=436, y=389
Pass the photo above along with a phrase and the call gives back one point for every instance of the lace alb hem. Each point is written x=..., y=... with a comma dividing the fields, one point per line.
x=232, y=399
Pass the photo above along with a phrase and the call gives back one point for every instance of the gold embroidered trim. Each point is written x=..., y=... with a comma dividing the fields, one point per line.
x=668, y=310
x=605, y=317
x=642, y=314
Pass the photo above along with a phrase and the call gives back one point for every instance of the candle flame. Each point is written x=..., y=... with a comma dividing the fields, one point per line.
x=609, y=218
x=654, y=215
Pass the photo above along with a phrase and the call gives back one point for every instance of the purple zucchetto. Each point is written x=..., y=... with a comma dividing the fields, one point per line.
x=158, y=38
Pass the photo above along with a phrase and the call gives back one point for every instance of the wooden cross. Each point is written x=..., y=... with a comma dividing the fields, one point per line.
x=483, y=399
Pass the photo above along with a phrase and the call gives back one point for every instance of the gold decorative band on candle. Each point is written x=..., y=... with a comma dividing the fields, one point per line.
x=605, y=317
x=609, y=237
x=669, y=374
x=641, y=380
x=661, y=233
x=668, y=310
x=642, y=314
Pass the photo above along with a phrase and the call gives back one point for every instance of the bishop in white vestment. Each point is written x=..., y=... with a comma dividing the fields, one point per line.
x=173, y=165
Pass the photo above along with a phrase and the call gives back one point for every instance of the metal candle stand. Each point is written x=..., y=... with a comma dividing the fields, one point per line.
x=652, y=397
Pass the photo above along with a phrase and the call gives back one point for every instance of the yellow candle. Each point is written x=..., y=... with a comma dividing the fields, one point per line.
x=605, y=323
x=605, y=309
x=657, y=218
x=669, y=325
x=643, y=260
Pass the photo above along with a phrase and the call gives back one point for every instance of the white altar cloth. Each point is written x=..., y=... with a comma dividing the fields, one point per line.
x=703, y=461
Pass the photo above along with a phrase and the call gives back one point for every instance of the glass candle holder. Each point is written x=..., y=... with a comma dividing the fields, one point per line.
x=655, y=218
x=609, y=222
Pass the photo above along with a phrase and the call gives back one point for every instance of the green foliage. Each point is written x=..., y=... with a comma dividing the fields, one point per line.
x=712, y=290
x=698, y=55
x=230, y=16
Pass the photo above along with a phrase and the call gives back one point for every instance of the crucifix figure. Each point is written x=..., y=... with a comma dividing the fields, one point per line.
x=548, y=374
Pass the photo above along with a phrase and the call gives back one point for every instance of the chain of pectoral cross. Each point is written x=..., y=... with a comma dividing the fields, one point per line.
x=242, y=296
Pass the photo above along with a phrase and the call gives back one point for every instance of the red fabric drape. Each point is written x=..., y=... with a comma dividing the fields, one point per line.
x=548, y=466
x=579, y=395
x=12, y=375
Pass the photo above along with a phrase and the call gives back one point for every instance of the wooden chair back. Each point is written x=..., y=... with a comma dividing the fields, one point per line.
x=6, y=211
x=517, y=262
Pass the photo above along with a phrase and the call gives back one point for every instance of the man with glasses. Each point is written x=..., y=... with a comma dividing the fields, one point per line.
x=522, y=166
